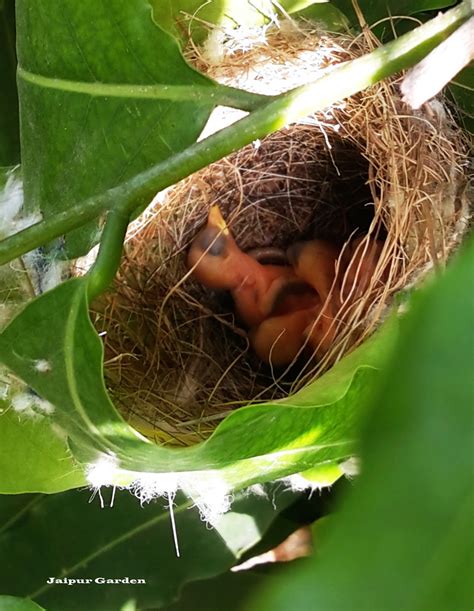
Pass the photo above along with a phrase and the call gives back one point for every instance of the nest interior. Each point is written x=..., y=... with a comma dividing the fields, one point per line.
x=177, y=360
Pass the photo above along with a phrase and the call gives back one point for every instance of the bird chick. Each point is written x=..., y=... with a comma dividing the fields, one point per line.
x=292, y=296
x=315, y=263
x=217, y=262
x=279, y=339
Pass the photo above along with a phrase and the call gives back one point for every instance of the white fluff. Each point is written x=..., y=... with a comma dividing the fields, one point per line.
x=149, y=486
x=42, y=366
x=210, y=492
x=11, y=202
x=30, y=405
x=103, y=472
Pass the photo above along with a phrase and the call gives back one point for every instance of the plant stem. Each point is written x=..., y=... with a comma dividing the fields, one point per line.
x=345, y=80
x=105, y=267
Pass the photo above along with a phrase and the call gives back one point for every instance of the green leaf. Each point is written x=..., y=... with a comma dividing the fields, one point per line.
x=72, y=376
x=254, y=444
x=98, y=97
x=324, y=13
x=404, y=539
x=9, y=119
x=78, y=540
x=11, y=603
x=228, y=591
x=374, y=10
x=33, y=457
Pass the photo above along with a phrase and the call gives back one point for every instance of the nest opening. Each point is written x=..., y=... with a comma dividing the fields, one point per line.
x=177, y=359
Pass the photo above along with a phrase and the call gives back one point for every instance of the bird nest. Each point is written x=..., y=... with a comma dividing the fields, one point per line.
x=177, y=359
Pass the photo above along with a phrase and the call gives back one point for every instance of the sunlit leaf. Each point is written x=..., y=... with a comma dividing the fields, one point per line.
x=11, y=603
x=184, y=17
x=33, y=458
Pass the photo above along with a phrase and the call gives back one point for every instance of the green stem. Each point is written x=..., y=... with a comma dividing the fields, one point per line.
x=105, y=267
x=345, y=80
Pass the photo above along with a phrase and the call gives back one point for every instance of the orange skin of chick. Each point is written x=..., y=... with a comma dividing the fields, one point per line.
x=217, y=262
x=300, y=316
x=279, y=339
x=315, y=263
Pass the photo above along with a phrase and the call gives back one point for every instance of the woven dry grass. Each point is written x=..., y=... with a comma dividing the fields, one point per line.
x=177, y=361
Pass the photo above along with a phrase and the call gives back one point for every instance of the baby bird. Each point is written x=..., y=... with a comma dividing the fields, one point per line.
x=217, y=262
x=315, y=262
x=279, y=339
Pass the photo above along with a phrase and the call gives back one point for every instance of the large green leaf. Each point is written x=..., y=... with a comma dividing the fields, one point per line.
x=9, y=122
x=253, y=444
x=404, y=537
x=98, y=98
x=77, y=539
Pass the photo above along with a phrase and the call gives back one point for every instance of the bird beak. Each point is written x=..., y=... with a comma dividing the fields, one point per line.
x=216, y=220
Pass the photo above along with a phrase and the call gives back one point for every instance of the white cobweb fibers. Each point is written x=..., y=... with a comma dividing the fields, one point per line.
x=12, y=218
x=210, y=492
